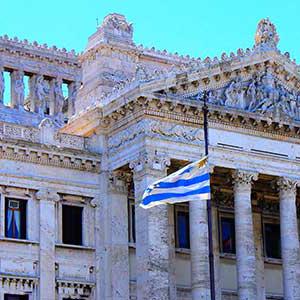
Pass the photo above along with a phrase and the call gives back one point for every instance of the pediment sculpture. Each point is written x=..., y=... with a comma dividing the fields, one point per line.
x=263, y=94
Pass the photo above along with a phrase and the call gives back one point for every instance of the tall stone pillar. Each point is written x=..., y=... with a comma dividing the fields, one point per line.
x=47, y=243
x=245, y=249
x=199, y=250
x=289, y=238
x=260, y=263
x=118, y=266
x=2, y=85
x=153, y=272
x=17, y=89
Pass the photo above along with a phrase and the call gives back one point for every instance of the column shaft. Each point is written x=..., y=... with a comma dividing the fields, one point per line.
x=47, y=244
x=155, y=280
x=245, y=249
x=289, y=239
x=199, y=250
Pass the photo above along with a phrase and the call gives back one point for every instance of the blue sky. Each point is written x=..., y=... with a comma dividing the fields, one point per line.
x=199, y=28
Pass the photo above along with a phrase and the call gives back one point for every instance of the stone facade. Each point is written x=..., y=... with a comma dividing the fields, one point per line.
x=89, y=132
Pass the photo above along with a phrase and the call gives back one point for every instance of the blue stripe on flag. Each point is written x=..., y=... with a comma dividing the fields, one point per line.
x=182, y=182
x=164, y=196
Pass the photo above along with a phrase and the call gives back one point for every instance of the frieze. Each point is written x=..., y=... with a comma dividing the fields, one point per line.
x=156, y=129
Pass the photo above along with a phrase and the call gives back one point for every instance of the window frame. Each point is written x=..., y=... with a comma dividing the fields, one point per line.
x=76, y=204
x=181, y=207
x=275, y=220
x=5, y=198
x=228, y=215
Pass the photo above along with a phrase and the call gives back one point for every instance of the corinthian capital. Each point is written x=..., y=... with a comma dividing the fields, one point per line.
x=119, y=181
x=241, y=177
x=147, y=161
x=287, y=184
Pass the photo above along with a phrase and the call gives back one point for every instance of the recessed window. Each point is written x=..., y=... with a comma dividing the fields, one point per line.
x=182, y=226
x=15, y=218
x=72, y=224
x=272, y=240
x=227, y=231
x=131, y=220
x=15, y=297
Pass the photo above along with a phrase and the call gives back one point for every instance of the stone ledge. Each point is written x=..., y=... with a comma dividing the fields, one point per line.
x=19, y=241
x=75, y=247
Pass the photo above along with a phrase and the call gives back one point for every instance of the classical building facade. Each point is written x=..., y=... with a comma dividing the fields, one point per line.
x=83, y=135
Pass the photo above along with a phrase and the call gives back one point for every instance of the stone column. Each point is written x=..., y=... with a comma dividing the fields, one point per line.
x=245, y=249
x=260, y=263
x=118, y=266
x=199, y=250
x=17, y=89
x=289, y=238
x=47, y=243
x=153, y=258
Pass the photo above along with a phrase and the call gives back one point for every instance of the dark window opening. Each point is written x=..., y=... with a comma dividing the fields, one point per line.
x=272, y=240
x=72, y=224
x=15, y=297
x=182, y=229
x=15, y=218
x=131, y=221
x=227, y=235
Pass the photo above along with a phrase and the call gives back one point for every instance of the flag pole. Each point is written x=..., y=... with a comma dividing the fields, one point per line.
x=209, y=211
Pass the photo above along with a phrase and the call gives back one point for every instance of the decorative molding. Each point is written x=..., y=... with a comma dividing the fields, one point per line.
x=47, y=195
x=149, y=161
x=119, y=182
x=18, y=283
x=241, y=177
x=287, y=184
x=50, y=157
x=156, y=129
x=74, y=289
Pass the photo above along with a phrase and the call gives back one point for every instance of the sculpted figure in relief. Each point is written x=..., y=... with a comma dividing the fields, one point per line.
x=19, y=89
x=58, y=98
x=2, y=86
x=40, y=93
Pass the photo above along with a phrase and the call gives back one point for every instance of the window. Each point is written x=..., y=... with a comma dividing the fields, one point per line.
x=15, y=218
x=15, y=297
x=72, y=224
x=272, y=240
x=227, y=233
x=182, y=227
x=131, y=220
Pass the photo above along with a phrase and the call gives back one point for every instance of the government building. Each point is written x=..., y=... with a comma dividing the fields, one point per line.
x=83, y=135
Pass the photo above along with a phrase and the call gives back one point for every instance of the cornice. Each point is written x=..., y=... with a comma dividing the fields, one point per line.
x=50, y=156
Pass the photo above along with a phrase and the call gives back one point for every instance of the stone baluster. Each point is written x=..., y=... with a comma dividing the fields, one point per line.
x=153, y=272
x=2, y=86
x=48, y=200
x=17, y=89
x=245, y=248
x=117, y=271
x=289, y=238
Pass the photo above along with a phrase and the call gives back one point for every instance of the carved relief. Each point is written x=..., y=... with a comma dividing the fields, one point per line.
x=266, y=33
x=263, y=94
x=156, y=129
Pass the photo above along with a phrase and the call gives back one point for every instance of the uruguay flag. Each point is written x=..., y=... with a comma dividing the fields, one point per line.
x=188, y=184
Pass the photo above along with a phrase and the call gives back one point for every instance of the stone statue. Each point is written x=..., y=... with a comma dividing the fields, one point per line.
x=40, y=94
x=266, y=34
x=251, y=94
x=58, y=99
x=2, y=86
x=19, y=90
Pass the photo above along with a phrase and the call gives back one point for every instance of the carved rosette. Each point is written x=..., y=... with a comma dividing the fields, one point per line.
x=243, y=178
x=287, y=184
